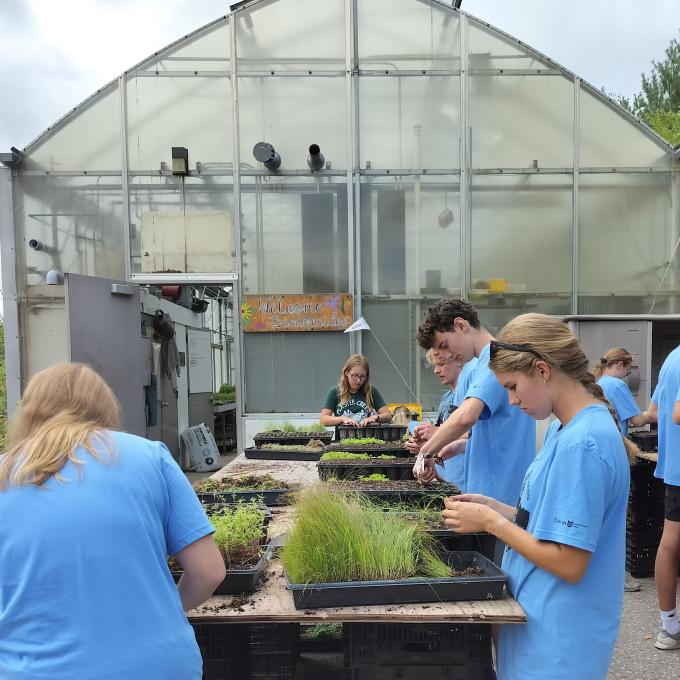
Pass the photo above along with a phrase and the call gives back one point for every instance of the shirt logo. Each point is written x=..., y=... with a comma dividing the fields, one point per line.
x=570, y=523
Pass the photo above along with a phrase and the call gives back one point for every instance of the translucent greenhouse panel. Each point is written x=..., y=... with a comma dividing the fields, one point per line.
x=181, y=226
x=276, y=361
x=79, y=222
x=294, y=233
x=489, y=50
x=385, y=317
x=291, y=35
x=521, y=243
x=410, y=236
x=193, y=111
x=521, y=121
x=44, y=337
x=403, y=35
x=627, y=232
x=409, y=122
x=207, y=50
x=610, y=138
x=292, y=113
x=88, y=139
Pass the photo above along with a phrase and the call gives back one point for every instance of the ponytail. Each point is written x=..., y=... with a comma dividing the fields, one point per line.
x=591, y=386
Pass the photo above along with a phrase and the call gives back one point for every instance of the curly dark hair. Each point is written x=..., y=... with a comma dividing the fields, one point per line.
x=440, y=317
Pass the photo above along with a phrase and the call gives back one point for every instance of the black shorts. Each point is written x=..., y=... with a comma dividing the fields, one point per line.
x=672, y=503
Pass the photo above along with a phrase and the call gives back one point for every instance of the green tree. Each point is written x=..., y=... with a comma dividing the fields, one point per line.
x=661, y=89
x=666, y=124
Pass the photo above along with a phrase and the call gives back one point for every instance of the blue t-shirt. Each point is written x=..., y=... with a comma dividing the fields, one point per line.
x=665, y=395
x=502, y=442
x=621, y=398
x=454, y=468
x=85, y=590
x=575, y=493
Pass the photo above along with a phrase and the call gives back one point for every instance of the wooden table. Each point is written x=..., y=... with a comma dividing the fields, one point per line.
x=273, y=602
x=648, y=455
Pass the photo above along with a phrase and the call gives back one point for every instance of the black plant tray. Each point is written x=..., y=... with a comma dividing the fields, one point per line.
x=393, y=450
x=384, y=431
x=483, y=543
x=239, y=580
x=291, y=438
x=425, y=497
x=360, y=468
x=269, y=497
x=215, y=507
x=489, y=586
x=281, y=454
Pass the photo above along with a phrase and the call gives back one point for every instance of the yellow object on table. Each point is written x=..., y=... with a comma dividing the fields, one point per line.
x=413, y=407
x=498, y=285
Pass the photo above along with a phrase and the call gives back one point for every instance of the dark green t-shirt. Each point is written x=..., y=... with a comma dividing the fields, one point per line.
x=355, y=406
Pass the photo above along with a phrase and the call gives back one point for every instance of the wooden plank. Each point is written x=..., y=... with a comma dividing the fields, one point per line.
x=273, y=602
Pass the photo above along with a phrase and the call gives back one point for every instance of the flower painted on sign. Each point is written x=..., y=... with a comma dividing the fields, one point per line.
x=260, y=326
x=246, y=312
x=332, y=302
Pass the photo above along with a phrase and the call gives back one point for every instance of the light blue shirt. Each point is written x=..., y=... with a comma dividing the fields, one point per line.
x=502, y=442
x=85, y=590
x=665, y=395
x=575, y=493
x=454, y=468
x=620, y=397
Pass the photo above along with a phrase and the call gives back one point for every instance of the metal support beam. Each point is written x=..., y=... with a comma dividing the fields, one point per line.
x=465, y=160
x=10, y=291
x=575, y=197
x=125, y=186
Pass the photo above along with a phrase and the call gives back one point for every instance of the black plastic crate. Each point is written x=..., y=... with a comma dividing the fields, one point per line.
x=646, y=441
x=640, y=568
x=420, y=673
x=417, y=644
x=389, y=449
x=270, y=497
x=483, y=543
x=273, y=650
x=224, y=648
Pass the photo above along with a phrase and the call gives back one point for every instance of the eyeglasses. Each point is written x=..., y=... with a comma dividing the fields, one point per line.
x=496, y=346
x=357, y=377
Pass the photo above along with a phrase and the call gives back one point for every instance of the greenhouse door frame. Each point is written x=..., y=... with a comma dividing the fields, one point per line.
x=197, y=280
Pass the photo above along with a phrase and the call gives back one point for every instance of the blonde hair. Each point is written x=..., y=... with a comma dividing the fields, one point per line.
x=559, y=348
x=610, y=357
x=343, y=384
x=429, y=357
x=401, y=416
x=62, y=409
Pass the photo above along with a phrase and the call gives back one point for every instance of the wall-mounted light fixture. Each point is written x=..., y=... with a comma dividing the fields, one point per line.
x=315, y=160
x=180, y=160
x=266, y=154
x=445, y=218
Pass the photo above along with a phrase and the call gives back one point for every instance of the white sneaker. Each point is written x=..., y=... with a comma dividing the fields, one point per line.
x=666, y=640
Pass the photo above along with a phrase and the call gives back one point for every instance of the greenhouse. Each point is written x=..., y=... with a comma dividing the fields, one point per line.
x=374, y=154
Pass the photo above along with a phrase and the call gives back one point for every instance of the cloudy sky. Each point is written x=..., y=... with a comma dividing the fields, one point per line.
x=54, y=54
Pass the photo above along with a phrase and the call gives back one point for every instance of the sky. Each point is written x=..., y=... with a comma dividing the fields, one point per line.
x=55, y=53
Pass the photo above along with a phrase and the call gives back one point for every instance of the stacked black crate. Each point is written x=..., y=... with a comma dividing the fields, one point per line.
x=391, y=651
x=645, y=511
x=224, y=648
x=273, y=650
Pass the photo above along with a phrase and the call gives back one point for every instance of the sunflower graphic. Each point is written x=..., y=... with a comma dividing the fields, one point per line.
x=246, y=312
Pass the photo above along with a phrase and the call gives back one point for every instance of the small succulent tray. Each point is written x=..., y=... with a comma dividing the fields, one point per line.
x=270, y=497
x=487, y=586
x=239, y=580
x=291, y=438
x=394, y=448
x=283, y=454
x=397, y=469
x=384, y=431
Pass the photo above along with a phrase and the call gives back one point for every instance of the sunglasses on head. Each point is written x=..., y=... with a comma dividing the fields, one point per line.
x=496, y=346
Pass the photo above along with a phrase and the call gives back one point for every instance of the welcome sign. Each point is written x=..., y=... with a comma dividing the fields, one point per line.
x=286, y=313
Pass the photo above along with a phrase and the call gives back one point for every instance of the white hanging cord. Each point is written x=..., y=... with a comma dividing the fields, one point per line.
x=670, y=262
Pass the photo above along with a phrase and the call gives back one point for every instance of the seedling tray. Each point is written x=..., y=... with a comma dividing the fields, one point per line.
x=489, y=586
x=270, y=497
x=215, y=507
x=359, y=468
x=386, y=432
x=239, y=580
x=291, y=438
x=283, y=454
x=394, y=449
